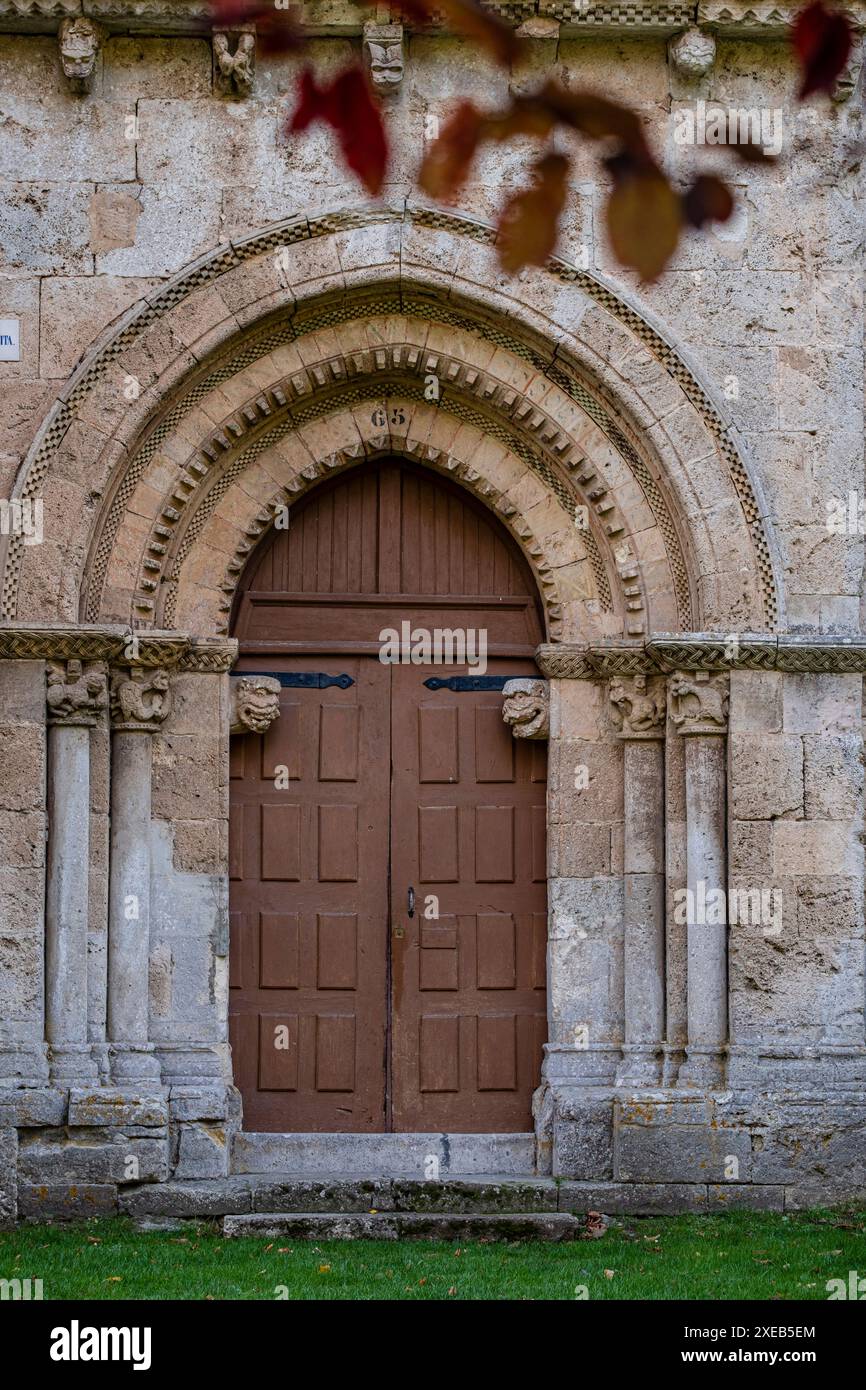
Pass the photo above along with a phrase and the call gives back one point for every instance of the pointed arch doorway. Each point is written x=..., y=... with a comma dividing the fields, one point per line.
x=387, y=835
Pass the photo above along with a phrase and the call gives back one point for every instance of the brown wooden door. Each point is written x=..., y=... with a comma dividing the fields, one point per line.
x=345, y=1012
x=309, y=904
x=469, y=966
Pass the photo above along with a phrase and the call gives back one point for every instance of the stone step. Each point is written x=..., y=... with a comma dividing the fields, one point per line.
x=389, y=1155
x=393, y=1225
x=286, y=1193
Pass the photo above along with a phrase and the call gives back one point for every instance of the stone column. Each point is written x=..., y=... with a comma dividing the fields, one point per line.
x=140, y=701
x=75, y=698
x=699, y=710
x=639, y=711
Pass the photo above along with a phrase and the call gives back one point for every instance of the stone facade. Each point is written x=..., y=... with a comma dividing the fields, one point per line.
x=209, y=317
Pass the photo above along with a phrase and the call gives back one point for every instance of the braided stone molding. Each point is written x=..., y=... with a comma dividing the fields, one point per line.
x=114, y=643
x=210, y=267
x=664, y=654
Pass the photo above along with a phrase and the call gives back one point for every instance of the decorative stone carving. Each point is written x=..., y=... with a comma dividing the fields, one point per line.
x=693, y=53
x=255, y=704
x=383, y=55
x=75, y=694
x=140, y=699
x=638, y=711
x=848, y=77
x=527, y=707
x=79, y=41
x=699, y=703
x=234, y=60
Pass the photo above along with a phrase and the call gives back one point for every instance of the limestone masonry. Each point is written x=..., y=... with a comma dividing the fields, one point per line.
x=199, y=318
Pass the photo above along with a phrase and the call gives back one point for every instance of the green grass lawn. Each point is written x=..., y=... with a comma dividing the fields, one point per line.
x=738, y=1255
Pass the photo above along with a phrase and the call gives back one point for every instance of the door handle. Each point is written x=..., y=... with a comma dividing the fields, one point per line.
x=410, y=902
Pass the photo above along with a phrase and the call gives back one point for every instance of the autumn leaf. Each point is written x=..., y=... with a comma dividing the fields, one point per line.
x=644, y=219
x=529, y=222
x=708, y=200
x=348, y=106
x=447, y=162
x=596, y=117
x=468, y=18
x=277, y=31
x=822, y=40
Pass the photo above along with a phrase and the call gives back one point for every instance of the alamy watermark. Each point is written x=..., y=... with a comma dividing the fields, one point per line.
x=710, y=124
x=438, y=646
x=22, y=516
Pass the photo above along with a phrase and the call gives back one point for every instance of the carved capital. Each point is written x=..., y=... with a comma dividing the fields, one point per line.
x=693, y=53
x=699, y=702
x=255, y=704
x=140, y=698
x=526, y=707
x=383, y=56
x=637, y=706
x=234, y=60
x=79, y=40
x=75, y=694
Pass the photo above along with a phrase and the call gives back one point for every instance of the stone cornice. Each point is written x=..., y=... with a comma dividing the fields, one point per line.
x=663, y=653
x=69, y=642
x=652, y=18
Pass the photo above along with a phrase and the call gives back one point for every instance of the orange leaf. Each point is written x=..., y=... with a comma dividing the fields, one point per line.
x=644, y=218
x=529, y=223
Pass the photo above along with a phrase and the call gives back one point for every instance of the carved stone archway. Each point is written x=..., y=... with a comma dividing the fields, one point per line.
x=262, y=340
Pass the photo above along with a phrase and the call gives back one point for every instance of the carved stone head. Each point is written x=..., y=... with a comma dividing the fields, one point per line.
x=79, y=44
x=693, y=53
x=255, y=704
x=527, y=707
x=383, y=54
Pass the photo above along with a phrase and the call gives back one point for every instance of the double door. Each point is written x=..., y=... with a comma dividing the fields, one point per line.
x=388, y=903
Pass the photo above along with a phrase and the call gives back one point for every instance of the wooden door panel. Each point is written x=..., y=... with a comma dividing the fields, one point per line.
x=308, y=995
x=469, y=1003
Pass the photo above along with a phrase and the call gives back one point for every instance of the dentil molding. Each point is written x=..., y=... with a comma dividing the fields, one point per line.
x=652, y=18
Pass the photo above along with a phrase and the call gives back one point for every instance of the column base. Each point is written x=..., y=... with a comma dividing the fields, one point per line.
x=135, y=1062
x=703, y=1069
x=71, y=1063
x=641, y=1065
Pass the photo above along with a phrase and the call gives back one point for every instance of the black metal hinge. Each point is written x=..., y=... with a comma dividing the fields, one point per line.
x=305, y=680
x=467, y=682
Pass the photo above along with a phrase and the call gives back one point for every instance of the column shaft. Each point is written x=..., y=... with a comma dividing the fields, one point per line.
x=644, y=964
x=129, y=905
x=67, y=902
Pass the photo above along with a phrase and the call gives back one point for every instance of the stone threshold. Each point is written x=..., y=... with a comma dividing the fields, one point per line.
x=271, y=1202
x=419, y=1156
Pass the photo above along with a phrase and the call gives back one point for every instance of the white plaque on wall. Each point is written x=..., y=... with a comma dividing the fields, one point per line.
x=10, y=340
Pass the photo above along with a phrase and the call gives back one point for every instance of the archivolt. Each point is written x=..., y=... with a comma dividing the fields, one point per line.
x=191, y=337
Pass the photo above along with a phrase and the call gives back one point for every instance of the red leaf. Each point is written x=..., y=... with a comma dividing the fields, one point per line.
x=708, y=200
x=644, y=220
x=469, y=19
x=348, y=106
x=529, y=223
x=822, y=39
x=277, y=31
x=446, y=164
